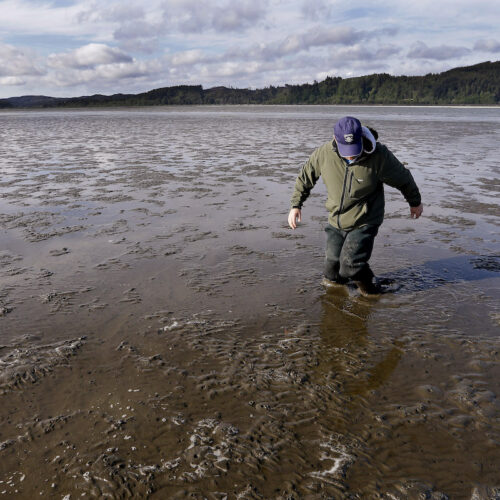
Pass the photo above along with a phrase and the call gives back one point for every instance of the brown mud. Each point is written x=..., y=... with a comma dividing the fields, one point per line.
x=164, y=334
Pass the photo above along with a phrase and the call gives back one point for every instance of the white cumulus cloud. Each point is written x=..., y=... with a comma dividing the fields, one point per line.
x=97, y=65
x=12, y=81
x=442, y=52
x=89, y=56
x=15, y=62
x=195, y=16
x=489, y=45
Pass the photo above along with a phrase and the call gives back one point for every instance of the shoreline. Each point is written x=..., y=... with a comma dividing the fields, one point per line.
x=215, y=106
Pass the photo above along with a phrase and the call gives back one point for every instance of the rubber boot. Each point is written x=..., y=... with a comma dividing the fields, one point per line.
x=368, y=287
x=336, y=283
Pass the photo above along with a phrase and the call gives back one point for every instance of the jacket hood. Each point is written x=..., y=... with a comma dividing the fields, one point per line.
x=369, y=141
x=370, y=137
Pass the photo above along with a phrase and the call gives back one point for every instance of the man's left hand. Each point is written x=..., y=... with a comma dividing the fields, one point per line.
x=416, y=212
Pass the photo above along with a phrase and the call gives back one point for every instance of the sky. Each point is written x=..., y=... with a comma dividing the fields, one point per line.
x=67, y=48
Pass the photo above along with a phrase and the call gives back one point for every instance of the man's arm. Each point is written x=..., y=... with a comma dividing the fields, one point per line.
x=395, y=174
x=306, y=180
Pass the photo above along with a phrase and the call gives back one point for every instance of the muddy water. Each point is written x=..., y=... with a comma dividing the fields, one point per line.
x=165, y=335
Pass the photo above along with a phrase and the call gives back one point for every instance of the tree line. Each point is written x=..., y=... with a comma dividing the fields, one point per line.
x=478, y=84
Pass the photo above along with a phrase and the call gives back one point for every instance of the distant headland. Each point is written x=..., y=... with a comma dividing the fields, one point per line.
x=470, y=85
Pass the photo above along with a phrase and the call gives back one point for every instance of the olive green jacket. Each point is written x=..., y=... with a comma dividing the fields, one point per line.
x=355, y=191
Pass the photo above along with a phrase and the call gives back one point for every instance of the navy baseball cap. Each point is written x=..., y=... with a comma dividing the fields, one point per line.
x=348, y=134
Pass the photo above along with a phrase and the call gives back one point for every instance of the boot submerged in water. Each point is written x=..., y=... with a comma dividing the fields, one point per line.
x=340, y=282
x=369, y=287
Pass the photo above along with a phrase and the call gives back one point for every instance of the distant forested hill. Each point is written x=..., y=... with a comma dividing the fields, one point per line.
x=478, y=84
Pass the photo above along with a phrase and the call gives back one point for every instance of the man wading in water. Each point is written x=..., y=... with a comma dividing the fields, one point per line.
x=354, y=167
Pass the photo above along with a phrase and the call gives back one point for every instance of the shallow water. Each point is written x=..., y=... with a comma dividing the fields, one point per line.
x=165, y=335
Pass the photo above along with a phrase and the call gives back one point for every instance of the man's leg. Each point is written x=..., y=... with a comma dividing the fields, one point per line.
x=334, y=242
x=356, y=253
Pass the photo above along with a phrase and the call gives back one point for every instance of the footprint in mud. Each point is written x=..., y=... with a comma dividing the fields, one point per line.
x=63, y=300
x=240, y=226
x=5, y=310
x=7, y=259
x=59, y=252
x=287, y=235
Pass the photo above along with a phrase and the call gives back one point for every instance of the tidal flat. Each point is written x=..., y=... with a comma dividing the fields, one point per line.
x=164, y=334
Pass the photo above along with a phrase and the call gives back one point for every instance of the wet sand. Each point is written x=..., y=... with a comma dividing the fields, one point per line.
x=163, y=334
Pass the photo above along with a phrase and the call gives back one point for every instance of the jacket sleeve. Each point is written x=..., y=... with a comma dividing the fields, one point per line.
x=396, y=175
x=307, y=178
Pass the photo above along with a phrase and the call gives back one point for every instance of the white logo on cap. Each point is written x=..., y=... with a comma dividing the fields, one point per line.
x=349, y=138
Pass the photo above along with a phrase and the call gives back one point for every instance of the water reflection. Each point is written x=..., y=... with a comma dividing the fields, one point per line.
x=347, y=353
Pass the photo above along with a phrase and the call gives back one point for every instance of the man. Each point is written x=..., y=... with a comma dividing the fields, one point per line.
x=354, y=167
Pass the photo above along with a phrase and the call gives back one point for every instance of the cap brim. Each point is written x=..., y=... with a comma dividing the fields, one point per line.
x=349, y=149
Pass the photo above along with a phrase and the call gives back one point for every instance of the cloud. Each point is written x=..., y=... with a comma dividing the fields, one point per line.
x=15, y=62
x=123, y=12
x=38, y=18
x=137, y=29
x=421, y=51
x=12, y=81
x=358, y=52
x=142, y=29
x=268, y=52
x=139, y=36
x=92, y=64
x=386, y=51
x=489, y=45
x=134, y=29
x=230, y=69
x=316, y=11
x=195, y=16
x=372, y=57
x=314, y=38
x=193, y=66
x=237, y=15
x=98, y=64
x=89, y=56
x=307, y=53
x=343, y=35
x=104, y=74
x=192, y=57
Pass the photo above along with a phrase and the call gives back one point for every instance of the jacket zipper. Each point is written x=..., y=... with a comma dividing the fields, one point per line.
x=343, y=194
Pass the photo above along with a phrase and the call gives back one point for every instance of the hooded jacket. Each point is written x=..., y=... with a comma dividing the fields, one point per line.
x=355, y=190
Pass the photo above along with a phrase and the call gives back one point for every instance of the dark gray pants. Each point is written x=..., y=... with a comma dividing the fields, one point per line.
x=348, y=253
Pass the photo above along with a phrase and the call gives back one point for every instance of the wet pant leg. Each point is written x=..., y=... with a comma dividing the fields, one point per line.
x=356, y=252
x=334, y=242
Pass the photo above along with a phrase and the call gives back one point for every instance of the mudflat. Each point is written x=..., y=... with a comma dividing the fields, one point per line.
x=164, y=334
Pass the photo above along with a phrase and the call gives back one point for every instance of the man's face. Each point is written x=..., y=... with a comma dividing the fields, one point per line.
x=350, y=158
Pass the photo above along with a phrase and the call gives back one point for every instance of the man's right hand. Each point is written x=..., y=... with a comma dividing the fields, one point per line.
x=293, y=217
x=416, y=212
